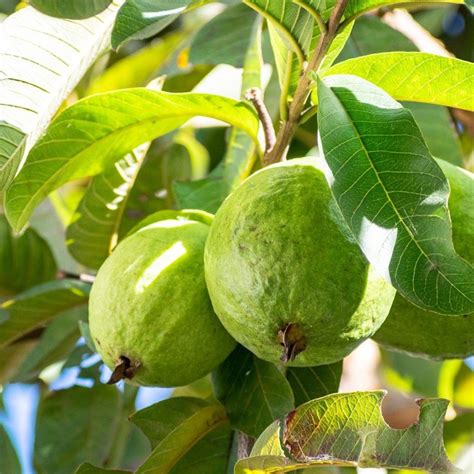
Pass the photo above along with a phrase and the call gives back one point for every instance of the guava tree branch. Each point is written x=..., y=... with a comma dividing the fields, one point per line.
x=288, y=128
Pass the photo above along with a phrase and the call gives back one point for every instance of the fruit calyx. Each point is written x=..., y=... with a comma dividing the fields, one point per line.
x=292, y=339
x=124, y=369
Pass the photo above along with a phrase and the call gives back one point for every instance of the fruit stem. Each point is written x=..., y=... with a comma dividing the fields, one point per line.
x=293, y=341
x=124, y=369
x=289, y=126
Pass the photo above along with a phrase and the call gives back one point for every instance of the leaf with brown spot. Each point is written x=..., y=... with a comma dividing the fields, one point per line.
x=348, y=429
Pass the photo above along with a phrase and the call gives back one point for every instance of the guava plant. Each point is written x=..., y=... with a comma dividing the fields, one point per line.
x=226, y=199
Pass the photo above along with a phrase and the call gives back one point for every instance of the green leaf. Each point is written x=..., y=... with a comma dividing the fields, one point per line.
x=57, y=341
x=253, y=391
x=366, y=28
x=12, y=356
x=225, y=38
x=27, y=259
x=138, y=69
x=309, y=383
x=434, y=121
x=96, y=131
x=140, y=19
x=185, y=431
x=12, y=147
x=88, y=468
x=358, y=7
x=86, y=334
x=209, y=193
x=349, y=430
x=290, y=60
x=294, y=32
x=74, y=426
x=37, y=306
x=9, y=462
x=417, y=77
x=93, y=231
x=75, y=9
x=42, y=60
x=413, y=375
x=298, y=27
x=392, y=193
x=438, y=130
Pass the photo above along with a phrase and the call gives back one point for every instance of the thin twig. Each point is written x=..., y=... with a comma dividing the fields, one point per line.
x=288, y=128
x=255, y=96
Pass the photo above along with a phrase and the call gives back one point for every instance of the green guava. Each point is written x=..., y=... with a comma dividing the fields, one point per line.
x=284, y=275
x=149, y=312
x=420, y=332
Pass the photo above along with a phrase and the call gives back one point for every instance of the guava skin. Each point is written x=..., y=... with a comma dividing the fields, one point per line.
x=149, y=303
x=278, y=254
x=423, y=333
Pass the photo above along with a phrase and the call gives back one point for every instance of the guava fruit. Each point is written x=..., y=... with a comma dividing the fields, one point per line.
x=284, y=275
x=150, y=314
x=424, y=333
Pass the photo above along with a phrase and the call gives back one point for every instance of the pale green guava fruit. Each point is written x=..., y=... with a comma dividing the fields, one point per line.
x=150, y=314
x=420, y=332
x=285, y=277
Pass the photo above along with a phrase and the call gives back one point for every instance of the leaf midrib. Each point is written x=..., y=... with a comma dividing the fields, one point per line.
x=73, y=159
x=392, y=205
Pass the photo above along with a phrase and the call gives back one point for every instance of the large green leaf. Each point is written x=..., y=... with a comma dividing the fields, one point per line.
x=434, y=121
x=358, y=7
x=138, y=69
x=140, y=19
x=37, y=306
x=209, y=193
x=309, y=383
x=348, y=430
x=26, y=260
x=368, y=27
x=294, y=32
x=93, y=231
x=12, y=356
x=417, y=77
x=57, y=341
x=74, y=426
x=185, y=433
x=392, y=194
x=438, y=130
x=9, y=462
x=76, y=9
x=224, y=39
x=99, y=130
x=298, y=27
x=42, y=59
x=254, y=392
